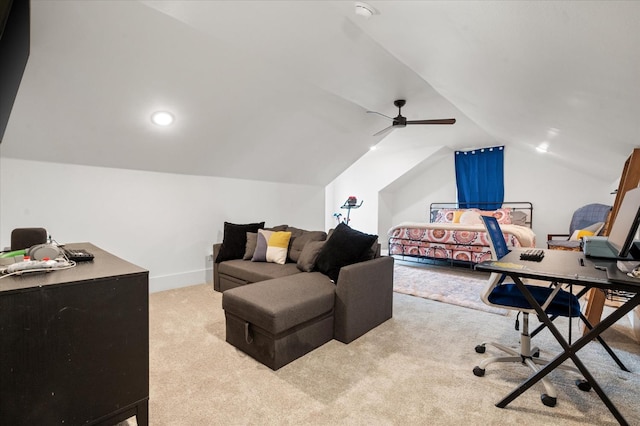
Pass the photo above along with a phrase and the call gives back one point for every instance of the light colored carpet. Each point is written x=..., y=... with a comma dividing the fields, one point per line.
x=457, y=286
x=414, y=369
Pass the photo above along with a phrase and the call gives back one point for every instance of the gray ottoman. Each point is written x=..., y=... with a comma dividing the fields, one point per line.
x=279, y=320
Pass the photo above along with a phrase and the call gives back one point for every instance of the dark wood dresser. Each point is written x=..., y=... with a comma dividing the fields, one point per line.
x=74, y=344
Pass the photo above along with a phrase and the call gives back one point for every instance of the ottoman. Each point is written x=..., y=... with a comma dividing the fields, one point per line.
x=279, y=320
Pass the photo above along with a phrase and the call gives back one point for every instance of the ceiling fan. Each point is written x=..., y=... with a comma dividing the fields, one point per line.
x=400, y=121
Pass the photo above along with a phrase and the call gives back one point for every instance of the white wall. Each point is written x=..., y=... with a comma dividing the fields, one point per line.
x=167, y=223
x=408, y=198
x=163, y=222
x=368, y=175
x=400, y=184
x=555, y=191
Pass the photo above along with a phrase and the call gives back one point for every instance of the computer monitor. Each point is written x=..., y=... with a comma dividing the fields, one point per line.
x=625, y=226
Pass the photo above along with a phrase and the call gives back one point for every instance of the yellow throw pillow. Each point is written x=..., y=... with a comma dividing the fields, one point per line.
x=271, y=246
x=583, y=233
x=277, y=247
x=579, y=233
x=456, y=216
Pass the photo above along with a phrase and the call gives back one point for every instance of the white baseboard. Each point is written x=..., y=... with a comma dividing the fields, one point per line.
x=185, y=279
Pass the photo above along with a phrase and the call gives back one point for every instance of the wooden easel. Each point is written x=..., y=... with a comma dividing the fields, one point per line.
x=629, y=180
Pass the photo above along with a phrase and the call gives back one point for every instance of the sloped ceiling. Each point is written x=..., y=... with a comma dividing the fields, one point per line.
x=278, y=90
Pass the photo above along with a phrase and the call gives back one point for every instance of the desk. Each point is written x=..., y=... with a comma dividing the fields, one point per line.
x=570, y=268
x=75, y=344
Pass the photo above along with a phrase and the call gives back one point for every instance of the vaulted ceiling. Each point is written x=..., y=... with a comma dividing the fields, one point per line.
x=278, y=90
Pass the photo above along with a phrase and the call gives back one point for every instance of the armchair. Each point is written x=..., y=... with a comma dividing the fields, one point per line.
x=586, y=221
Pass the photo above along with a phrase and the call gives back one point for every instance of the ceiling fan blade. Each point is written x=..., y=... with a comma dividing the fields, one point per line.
x=436, y=121
x=386, y=129
x=375, y=112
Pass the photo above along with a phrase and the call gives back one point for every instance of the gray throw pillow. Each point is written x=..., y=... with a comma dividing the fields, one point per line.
x=300, y=239
x=252, y=238
x=308, y=255
x=518, y=218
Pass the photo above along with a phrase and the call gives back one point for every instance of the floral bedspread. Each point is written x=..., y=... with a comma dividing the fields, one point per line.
x=456, y=241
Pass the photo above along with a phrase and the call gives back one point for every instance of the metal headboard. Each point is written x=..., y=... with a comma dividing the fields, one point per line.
x=523, y=206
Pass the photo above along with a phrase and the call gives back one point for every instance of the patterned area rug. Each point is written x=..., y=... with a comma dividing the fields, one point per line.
x=444, y=284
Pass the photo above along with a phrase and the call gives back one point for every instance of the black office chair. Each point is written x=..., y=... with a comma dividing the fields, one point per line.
x=23, y=238
x=554, y=301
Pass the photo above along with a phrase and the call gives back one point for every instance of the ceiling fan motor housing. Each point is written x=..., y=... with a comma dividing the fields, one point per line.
x=400, y=121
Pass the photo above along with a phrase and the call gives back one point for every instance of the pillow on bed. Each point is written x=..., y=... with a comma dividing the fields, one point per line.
x=452, y=215
x=470, y=217
x=519, y=218
x=444, y=216
x=502, y=215
x=457, y=214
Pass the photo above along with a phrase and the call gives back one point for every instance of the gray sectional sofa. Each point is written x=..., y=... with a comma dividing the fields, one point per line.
x=279, y=312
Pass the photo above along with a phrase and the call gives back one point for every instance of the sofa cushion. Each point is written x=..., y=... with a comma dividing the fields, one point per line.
x=278, y=305
x=309, y=255
x=271, y=247
x=299, y=238
x=344, y=247
x=252, y=272
x=234, y=240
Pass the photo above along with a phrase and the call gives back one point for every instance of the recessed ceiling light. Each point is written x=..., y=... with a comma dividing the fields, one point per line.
x=162, y=118
x=372, y=148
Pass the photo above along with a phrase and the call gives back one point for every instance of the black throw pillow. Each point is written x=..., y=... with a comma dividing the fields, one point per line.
x=234, y=240
x=344, y=247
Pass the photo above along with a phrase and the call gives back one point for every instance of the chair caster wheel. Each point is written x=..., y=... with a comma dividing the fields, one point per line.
x=583, y=385
x=480, y=349
x=547, y=400
x=478, y=371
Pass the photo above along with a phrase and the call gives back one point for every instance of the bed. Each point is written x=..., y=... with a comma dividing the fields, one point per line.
x=458, y=235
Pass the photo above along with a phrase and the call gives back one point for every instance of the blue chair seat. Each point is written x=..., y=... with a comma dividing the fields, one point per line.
x=564, y=304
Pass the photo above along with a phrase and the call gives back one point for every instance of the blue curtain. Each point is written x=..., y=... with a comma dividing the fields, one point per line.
x=480, y=178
